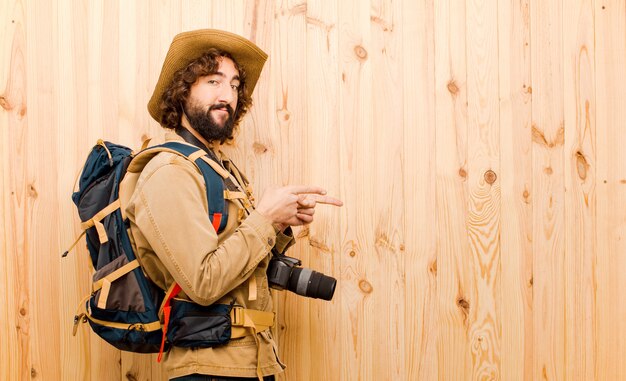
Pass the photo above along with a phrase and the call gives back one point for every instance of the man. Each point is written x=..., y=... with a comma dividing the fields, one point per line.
x=202, y=94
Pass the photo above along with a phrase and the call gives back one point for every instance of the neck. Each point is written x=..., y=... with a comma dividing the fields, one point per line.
x=187, y=126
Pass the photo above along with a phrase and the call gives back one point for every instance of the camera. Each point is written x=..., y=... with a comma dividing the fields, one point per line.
x=283, y=272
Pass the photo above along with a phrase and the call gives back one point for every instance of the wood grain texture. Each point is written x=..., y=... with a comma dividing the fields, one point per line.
x=290, y=114
x=548, y=190
x=322, y=169
x=71, y=52
x=516, y=293
x=387, y=256
x=453, y=265
x=416, y=24
x=580, y=183
x=483, y=167
x=610, y=38
x=15, y=317
x=477, y=147
x=40, y=183
x=357, y=183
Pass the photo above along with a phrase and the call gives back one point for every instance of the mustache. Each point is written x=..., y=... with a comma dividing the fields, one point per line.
x=220, y=106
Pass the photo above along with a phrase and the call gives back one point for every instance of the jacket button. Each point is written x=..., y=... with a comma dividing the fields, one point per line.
x=270, y=241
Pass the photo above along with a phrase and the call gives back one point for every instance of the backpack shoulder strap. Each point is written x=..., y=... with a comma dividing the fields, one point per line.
x=213, y=179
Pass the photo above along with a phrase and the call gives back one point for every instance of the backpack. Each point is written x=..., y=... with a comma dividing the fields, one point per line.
x=124, y=306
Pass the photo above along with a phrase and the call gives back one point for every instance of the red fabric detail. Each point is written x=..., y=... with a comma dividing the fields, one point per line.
x=217, y=220
x=167, y=309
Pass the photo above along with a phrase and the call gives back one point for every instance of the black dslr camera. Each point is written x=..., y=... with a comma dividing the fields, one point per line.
x=283, y=273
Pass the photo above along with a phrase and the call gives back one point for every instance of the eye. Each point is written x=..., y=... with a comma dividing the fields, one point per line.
x=234, y=87
x=213, y=82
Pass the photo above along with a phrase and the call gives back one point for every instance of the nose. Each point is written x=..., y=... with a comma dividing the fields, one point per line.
x=226, y=94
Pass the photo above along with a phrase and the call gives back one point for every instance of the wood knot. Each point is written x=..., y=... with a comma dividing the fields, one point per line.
x=33, y=373
x=32, y=192
x=319, y=245
x=259, y=148
x=352, y=253
x=5, y=103
x=365, y=286
x=283, y=115
x=452, y=87
x=463, y=173
x=360, y=52
x=433, y=268
x=526, y=195
x=304, y=232
x=581, y=165
x=548, y=171
x=490, y=177
x=463, y=304
x=529, y=90
x=131, y=376
x=23, y=311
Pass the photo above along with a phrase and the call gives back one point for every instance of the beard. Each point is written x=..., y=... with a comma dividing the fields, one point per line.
x=209, y=128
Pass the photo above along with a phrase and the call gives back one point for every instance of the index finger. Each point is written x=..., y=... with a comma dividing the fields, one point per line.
x=328, y=200
x=300, y=189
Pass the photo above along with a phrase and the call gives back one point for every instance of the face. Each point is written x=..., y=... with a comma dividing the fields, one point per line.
x=212, y=102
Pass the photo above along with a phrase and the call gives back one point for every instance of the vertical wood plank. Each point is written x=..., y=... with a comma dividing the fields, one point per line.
x=483, y=163
x=580, y=180
x=323, y=169
x=132, y=71
x=254, y=149
x=516, y=231
x=103, y=63
x=102, y=122
x=548, y=189
x=165, y=21
x=290, y=98
x=357, y=162
x=15, y=317
x=418, y=151
x=454, y=274
x=41, y=238
x=387, y=257
x=71, y=77
x=610, y=63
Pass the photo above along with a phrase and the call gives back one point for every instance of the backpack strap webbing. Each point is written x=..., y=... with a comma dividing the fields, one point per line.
x=104, y=284
x=83, y=314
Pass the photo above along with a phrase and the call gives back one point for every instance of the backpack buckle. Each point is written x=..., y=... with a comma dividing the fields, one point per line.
x=237, y=316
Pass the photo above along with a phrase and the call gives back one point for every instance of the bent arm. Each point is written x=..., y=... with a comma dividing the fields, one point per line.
x=171, y=212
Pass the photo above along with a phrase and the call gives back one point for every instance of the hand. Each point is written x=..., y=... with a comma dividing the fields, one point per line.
x=293, y=205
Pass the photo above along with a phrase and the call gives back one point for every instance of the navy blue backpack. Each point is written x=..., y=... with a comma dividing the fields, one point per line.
x=124, y=306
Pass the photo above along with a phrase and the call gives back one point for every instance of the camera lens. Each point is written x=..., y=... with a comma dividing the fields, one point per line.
x=312, y=284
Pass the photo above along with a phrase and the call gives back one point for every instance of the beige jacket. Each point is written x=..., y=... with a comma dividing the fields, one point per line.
x=175, y=241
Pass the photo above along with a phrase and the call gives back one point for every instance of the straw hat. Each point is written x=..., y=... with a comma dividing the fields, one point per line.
x=188, y=46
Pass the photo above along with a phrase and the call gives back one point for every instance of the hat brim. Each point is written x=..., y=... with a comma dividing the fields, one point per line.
x=188, y=46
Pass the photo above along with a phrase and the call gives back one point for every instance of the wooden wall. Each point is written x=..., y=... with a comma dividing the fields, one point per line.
x=476, y=145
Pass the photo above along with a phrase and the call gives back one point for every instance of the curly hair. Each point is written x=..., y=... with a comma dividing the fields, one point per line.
x=178, y=90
